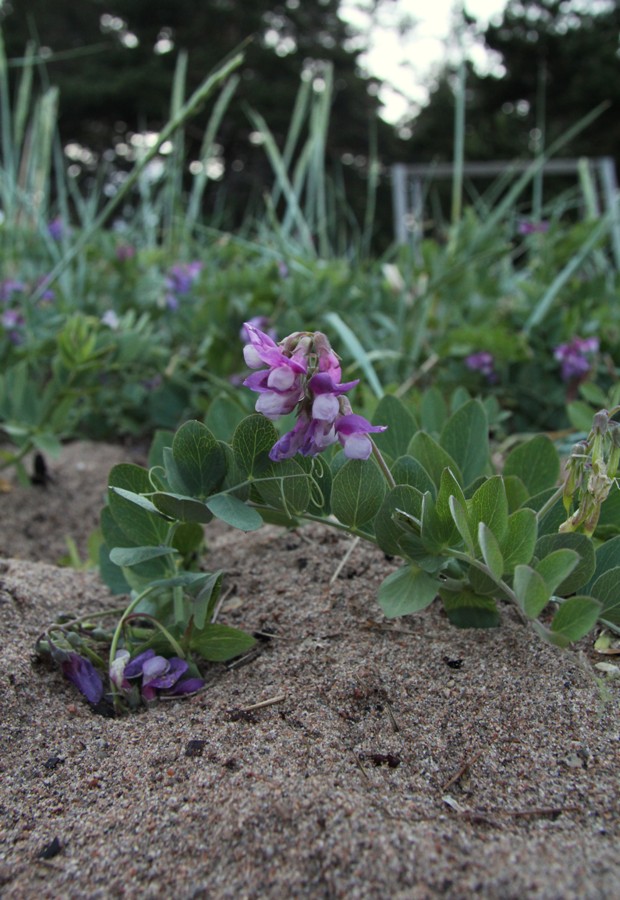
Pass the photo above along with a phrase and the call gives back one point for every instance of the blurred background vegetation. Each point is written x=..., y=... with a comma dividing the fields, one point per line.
x=114, y=63
x=171, y=170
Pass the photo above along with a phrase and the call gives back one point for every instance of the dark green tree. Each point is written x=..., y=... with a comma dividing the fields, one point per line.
x=560, y=59
x=113, y=61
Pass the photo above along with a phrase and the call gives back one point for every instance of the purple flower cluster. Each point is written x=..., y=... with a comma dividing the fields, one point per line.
x=13, y=293
x=179, y=281
x=125, y=252
x=575, y=357
x=8, y=287
x=303, y=373
x=13, y=322
x=158, y=676
x=484, y=363
x=56, y=229
x=156, y=673
x=527, y=226
x=262, y=324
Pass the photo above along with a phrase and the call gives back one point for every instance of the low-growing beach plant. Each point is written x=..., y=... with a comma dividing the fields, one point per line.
x=475, y=534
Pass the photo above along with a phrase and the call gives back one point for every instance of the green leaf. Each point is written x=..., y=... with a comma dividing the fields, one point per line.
x=516, y=492
x=162, y=438
x=136, y=499
x=189, y=540
x=173, y=477
x=285, y=486
x=550, y=637
x=47, y=443
x=491, y=552
x=204, y=602
x=388, y=532
x=358, y=491
x=606, y=588
x=609, y=519
x=580, y=544
x=555, y=515
x=234, y=512
x=557, y=566
x=223, y=416
x=401, y=426
x=199, y=458
x=490, y=505
x=607, y=557
x=594, y=395
x=465, y=437
x=483, y=584
x=432, y=457
x=130, y=477
x=184, y=509
x=465, y=609
x=253, y=439
x=408, y=590
x=142, y=525
x=110, y=574
x=576, y=617
x=433, y=410
x=132, y=556
x=580, y=415
x=187, y=580
x=531, y=590
x=518, y=543
x=218, y=643
x=449, y=487
x=536, y=463
x=461, y=520
x=407, y=470
x=438, y=531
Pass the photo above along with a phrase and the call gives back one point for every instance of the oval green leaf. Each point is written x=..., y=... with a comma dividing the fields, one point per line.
x=576, y=617
x=408, y=590
x=234, y=512
x=358, y=491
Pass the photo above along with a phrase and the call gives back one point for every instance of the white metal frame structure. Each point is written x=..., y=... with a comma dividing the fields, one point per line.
x=408, y=194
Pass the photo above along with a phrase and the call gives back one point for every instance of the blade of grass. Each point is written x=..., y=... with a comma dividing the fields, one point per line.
x=544, y=305
x=188, y=109
x=356, y=350
x=280, y=171
x=201, y=179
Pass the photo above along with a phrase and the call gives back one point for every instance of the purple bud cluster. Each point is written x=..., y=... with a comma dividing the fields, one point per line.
x=575, y=357
x=303, y=373
x=527, y=226
x=57, y=229
x=484, y=363
x=179, y=281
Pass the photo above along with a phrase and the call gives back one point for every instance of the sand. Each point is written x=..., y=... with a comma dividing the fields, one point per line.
x=348, y=757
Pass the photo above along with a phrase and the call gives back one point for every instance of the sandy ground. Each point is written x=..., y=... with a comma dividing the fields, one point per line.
x=390, y=760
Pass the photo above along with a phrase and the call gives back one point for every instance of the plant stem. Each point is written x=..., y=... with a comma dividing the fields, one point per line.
x=550, y=502
x=472, y=561
x=169, y=637
x=119, y=627
x=383, y=465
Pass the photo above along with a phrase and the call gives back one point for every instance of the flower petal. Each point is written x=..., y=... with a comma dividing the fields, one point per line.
x=187, y=686
x=84, y=676
x=177, y=668
x=134, y=667
x=153, y=668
